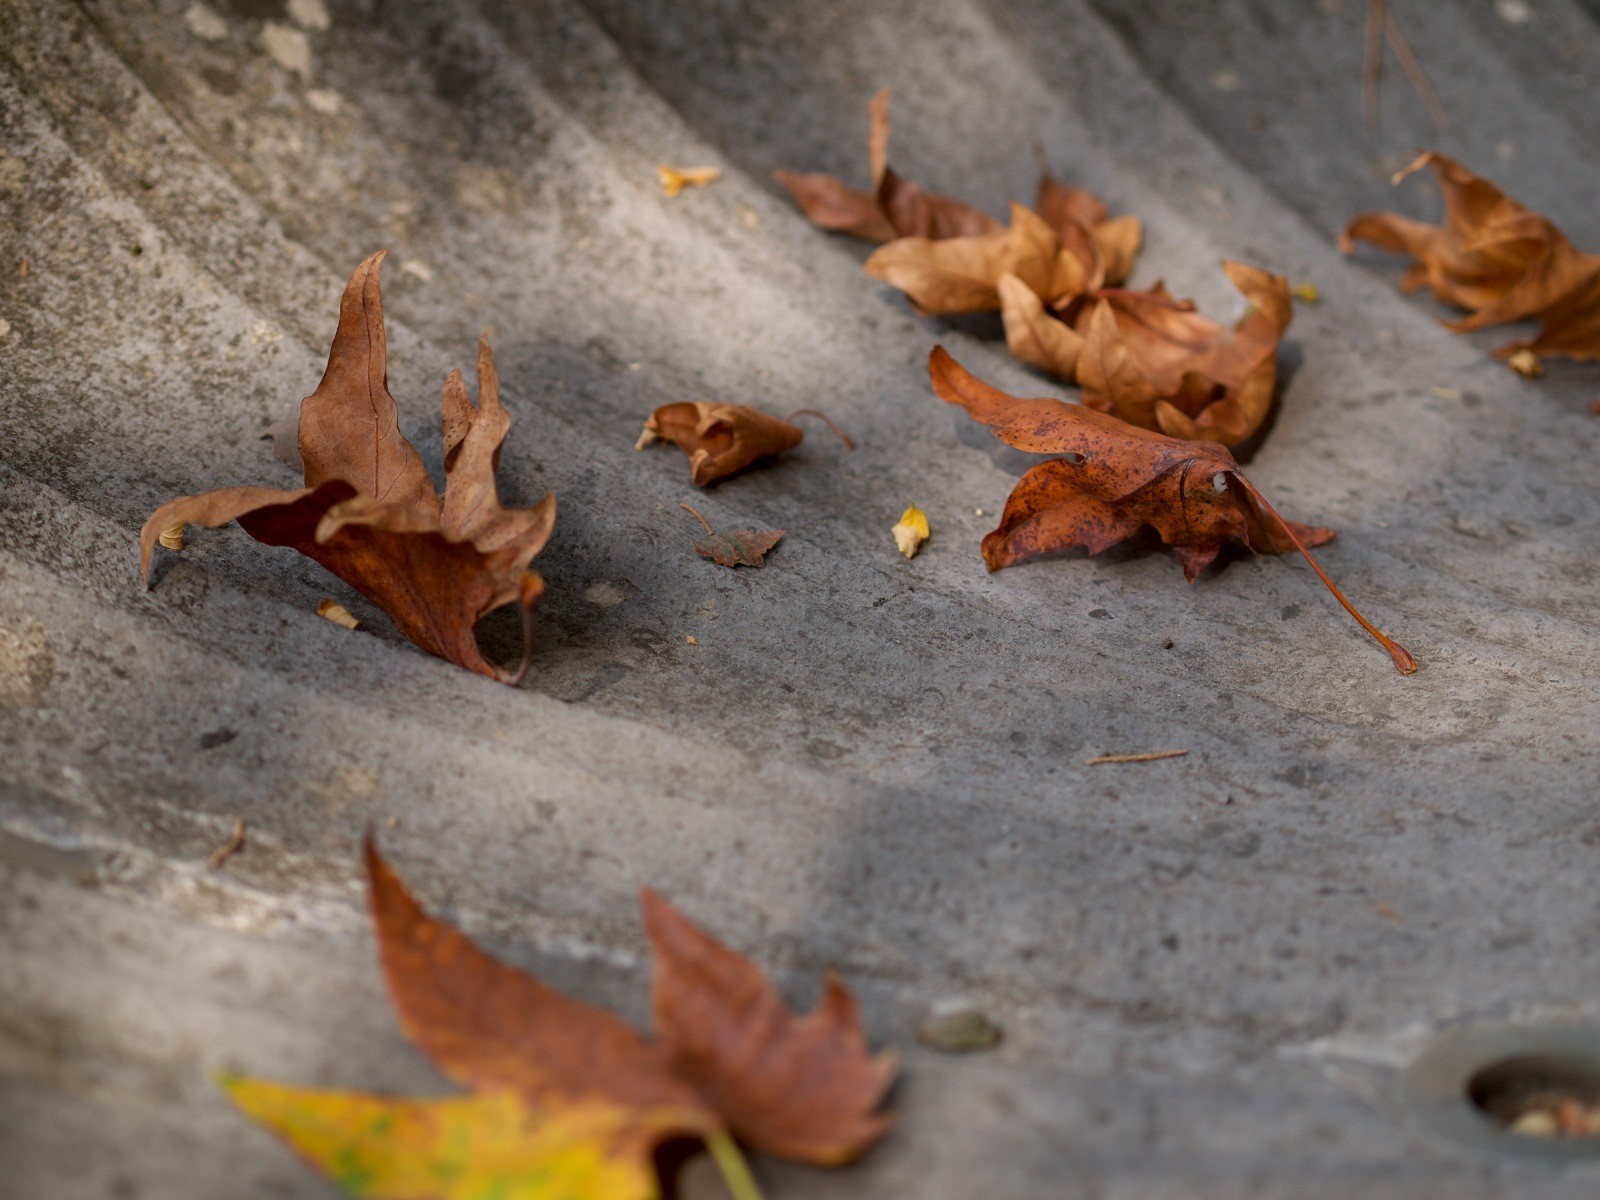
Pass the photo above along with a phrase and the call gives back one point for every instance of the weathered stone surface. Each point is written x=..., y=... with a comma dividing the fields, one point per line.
x=1207, y=968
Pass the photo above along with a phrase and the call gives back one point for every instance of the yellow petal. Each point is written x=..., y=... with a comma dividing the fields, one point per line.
x=912, y=531
x=675, y=179
x=337, y=613
x=1306, y=292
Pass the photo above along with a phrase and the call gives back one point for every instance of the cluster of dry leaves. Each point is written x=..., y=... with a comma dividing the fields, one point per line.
x=1054, y=275
x=567, y=1100
x=1165, y=390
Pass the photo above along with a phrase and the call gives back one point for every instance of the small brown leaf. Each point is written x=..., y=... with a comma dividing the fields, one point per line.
x=720, y=439
x=741, y=548
x=1119, y=478
x=893, y=207
x=1033, y=334
x=333, y=611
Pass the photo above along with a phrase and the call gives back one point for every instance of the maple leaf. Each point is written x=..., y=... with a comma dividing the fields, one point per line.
x=369, y=512
x=1155, y=362
x=560, y=1087
x=741, y=548
x=1495, y=258
x=1119, y=478
x=962, y=274
x=893, y=207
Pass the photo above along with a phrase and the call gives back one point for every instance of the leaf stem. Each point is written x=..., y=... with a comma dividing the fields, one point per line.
x=735, y=1171
x=1403, y=661
x=827, y=420
x=698, y=517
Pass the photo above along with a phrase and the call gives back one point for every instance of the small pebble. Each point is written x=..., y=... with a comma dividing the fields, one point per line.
x=959, y=1031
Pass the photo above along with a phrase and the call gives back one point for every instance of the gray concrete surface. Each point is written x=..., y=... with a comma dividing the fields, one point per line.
x=1210, y=970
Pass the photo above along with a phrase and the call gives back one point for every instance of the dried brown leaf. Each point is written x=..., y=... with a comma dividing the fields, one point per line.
x=1117, y=479
x=720, y=439
x=369, y=512
x=1495, y=258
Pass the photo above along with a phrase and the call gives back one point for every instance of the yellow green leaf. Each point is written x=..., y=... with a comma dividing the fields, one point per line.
x=484, y=1146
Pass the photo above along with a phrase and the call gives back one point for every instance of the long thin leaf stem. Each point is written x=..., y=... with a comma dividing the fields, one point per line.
x=1413, y=69
x=828, y=421
x=1403, y=661
x=691, y=508
x=735, y=1171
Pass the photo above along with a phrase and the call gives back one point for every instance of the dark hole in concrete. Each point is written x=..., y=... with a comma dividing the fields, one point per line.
x=1540, y=1095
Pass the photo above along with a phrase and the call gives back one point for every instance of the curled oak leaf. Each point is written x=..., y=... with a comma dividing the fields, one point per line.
x=962, y=274
x=369, y=512
x=893, y=207
x=741, y=548
x=1155, y=362
x=805, y=1088
x=1105, y=245
x=1495, y=258
x=720, y=439
x=466, y=1147
x=1119, y=478
x=1033, y=334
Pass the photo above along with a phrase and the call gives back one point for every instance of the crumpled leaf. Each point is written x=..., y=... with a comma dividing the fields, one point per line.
x=720, y=439
x=465, y=1147
x=910, y=531
x=962, y=274
x=1495, y=258
x=892, y=207
x=1033, y=333
x=1104, y=245
x=369, y=512
x=1116, y=479
x=805, y=1088
x=1155, y=362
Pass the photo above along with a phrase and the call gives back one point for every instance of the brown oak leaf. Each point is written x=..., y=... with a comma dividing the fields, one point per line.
x=369, y=512
x=893, y=207
x=720, y=439
x=726, y=1047
x=962, y=274
x=1155, y=362
x=1115, y=479
x=1105, y=245
x=1495, y=258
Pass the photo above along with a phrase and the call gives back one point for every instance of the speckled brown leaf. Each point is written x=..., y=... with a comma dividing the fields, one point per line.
x=1116, y=479
x=720, y=439
x=1155, y=362
x=801, y=1087
x=370, y=514
x=1495, y=258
